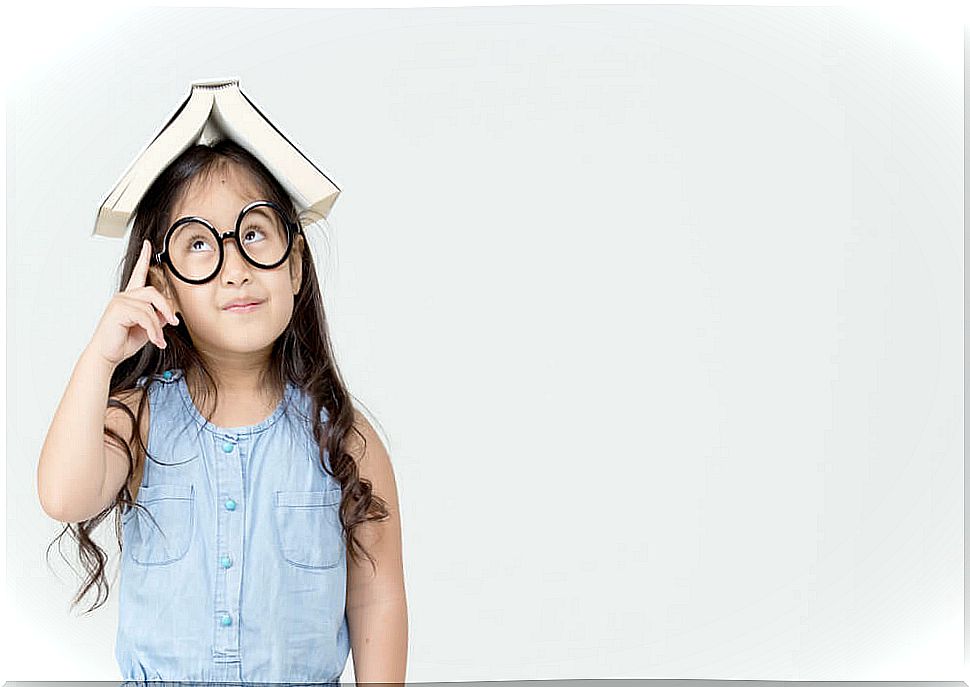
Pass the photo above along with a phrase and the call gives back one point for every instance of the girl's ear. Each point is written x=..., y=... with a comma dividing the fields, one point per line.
x=296, y=264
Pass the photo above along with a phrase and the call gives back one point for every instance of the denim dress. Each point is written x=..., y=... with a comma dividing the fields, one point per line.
x=242, y=575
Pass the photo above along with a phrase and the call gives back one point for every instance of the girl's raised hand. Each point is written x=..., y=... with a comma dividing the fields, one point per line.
x=133, y=316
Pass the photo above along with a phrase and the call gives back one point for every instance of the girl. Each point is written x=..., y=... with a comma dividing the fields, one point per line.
x=247, y=488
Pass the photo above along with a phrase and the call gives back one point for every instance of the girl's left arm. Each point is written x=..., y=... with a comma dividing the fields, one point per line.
x=377, y=616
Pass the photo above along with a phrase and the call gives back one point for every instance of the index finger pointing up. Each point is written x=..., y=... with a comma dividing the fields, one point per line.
x=140, y=273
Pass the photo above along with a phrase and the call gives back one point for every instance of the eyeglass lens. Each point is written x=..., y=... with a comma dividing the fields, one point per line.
x=194, y=248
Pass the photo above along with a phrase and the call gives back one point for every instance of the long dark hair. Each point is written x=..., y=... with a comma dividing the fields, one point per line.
x=303, y=355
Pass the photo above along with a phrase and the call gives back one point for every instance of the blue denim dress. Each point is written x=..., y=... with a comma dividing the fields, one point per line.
x=242, y=575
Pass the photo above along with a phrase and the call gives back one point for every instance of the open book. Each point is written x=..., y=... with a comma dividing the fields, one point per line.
x=215, y=110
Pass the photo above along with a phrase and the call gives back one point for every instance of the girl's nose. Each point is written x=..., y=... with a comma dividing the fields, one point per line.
x=234, y=265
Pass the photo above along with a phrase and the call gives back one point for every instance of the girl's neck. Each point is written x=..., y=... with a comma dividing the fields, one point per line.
x=240, y=399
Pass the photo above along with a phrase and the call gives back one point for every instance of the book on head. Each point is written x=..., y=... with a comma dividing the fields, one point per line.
x=213, y=110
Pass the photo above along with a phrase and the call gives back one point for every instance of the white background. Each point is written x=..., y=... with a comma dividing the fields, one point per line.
x=659, y=308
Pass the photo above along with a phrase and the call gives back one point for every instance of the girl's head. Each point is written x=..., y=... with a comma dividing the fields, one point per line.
x=216, y=183
x=286, y=338
x=218, y=193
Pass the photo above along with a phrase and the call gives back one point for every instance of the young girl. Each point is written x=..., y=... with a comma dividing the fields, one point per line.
x=246, y=483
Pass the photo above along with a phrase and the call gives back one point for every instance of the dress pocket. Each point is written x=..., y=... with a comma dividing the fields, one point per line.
x=162, y=535
x=308, y=527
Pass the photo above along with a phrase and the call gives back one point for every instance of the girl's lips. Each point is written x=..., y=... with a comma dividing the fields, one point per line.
x=243, y=308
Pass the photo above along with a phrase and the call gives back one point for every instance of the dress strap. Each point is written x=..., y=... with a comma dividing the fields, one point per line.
x=167, y=377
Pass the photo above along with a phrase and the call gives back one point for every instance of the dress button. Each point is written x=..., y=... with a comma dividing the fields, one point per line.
x=225, y=562
x=167, y=374
x=227, y=447
x=226, y=621
x=230, y=504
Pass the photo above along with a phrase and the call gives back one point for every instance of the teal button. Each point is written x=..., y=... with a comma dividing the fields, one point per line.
x=225, y=562
x=227, y=447
x=226, y=621
x=167, y=374
x=230, y=504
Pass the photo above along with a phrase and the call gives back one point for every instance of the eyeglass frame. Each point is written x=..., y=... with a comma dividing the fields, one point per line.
x=292, y=229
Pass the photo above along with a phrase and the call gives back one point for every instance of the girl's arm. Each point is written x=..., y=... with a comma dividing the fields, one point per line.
x=75, y=480
x=376, y=604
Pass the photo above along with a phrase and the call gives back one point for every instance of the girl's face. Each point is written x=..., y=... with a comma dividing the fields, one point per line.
x=215, y=330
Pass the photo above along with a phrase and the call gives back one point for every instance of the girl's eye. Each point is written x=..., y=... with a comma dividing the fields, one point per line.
x=249, y=231
x=196, y=240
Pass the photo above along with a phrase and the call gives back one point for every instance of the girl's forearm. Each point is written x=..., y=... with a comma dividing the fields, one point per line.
x=379, y=641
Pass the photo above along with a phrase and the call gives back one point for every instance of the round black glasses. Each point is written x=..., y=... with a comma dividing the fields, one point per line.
x=194, y=249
